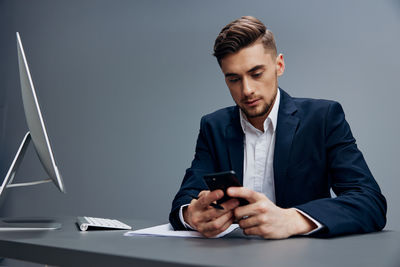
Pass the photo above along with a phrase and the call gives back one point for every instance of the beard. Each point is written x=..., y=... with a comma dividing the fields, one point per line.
x=264, y=109
x=259, y=112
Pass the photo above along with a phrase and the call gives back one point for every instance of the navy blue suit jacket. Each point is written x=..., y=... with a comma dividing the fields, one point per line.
x=315, y=151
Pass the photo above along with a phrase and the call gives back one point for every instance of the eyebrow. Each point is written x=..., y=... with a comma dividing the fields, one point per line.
x=229, y=74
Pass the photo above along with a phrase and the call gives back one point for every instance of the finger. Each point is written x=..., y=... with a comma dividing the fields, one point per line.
x=230, y=204
x=222, y=229
x=253, y=231
x=246, y=193
x=252, y=221
x=196, y=215
x=208, y=197
x=216, y=224
x=204, y=192
x=247, y=211
x=211, y=213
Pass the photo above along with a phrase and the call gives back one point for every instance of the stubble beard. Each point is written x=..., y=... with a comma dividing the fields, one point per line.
x=254, y=114
x=265, y=109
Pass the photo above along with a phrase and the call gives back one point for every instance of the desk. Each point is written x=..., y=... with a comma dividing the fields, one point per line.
x=70, y=247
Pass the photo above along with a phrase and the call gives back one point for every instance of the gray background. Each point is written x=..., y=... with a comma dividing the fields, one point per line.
x=123, y=85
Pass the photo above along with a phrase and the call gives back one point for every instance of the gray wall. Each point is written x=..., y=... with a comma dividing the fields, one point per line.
x=123, y=84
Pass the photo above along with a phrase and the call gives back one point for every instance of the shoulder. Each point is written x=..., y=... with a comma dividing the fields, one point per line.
x=221, y=117
x=311, y=106
x=320, y=110
x=310, y=109
x=315, y=105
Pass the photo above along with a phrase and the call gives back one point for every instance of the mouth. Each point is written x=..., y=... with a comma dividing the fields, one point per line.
x=253, y=102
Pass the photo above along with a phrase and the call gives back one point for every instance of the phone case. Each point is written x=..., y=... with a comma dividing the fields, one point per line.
x=223, y=180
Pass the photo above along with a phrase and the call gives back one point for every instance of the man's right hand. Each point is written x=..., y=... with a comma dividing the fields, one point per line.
x=207, y=220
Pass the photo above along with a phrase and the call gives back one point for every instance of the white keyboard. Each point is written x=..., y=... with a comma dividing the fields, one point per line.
x=86, y=223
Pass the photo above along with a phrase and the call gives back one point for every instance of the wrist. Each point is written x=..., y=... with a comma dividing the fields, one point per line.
x=185, y=215
x=299, y=223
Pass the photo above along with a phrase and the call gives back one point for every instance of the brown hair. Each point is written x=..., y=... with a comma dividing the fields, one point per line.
x=241, y=33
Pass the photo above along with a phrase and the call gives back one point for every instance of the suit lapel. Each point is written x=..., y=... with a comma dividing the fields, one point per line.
x=234, y=136
x=285, y=131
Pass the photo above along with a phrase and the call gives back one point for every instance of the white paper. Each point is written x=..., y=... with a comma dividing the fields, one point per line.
x=167, y=230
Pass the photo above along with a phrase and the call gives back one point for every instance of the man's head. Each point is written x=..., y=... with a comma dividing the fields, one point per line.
x=241, y=33
x=246, y=53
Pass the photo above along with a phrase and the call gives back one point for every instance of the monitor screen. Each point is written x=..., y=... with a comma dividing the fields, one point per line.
x=35, y=120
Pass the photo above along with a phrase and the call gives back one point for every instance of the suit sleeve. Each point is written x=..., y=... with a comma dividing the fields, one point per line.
x=359, y=206
x=193, y=183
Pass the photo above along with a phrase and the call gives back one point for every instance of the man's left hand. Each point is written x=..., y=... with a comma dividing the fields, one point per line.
x=263, y=218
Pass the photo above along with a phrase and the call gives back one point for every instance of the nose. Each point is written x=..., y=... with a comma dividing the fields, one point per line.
x=247, y=88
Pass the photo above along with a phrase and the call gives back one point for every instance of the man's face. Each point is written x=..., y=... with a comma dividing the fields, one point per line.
x=252, y=78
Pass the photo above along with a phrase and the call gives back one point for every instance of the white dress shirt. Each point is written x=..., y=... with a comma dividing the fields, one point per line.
x=258, y=163
x=259, y=147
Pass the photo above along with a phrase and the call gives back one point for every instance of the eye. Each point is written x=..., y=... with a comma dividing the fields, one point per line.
x=233, y=80
x=257, y=75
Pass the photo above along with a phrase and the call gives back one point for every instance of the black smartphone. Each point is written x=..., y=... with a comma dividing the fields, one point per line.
x=224, y=180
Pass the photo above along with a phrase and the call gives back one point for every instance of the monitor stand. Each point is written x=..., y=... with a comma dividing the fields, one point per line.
x=16, y=224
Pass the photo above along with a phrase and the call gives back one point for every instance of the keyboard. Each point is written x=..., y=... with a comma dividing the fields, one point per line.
x=88, y=223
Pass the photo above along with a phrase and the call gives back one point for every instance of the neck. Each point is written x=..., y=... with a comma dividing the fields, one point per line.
x=258, y=122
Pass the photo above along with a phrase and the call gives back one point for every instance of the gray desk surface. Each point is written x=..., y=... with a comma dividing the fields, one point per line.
x=68, y=246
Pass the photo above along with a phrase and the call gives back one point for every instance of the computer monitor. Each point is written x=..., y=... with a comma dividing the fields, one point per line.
x=38, y=134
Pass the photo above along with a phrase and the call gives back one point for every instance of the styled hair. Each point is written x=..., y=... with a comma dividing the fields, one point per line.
x=241, y=33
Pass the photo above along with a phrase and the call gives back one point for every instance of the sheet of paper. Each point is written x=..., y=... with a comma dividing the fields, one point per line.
x=167, y=230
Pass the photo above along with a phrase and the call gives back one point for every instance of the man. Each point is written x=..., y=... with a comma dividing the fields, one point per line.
x=288, y=152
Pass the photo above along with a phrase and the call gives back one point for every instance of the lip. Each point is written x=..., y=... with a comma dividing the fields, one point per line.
x=252, y=103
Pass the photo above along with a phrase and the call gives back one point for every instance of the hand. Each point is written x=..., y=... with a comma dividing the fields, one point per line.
x=206, y=219
x=263, y=218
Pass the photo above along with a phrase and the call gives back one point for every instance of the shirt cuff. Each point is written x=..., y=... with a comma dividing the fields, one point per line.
x=187, y=226
x=317, y=223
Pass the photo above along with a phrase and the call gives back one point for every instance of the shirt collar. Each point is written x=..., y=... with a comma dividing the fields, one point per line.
x=272, y=116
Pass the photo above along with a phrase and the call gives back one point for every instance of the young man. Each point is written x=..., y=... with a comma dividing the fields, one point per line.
x=288, y=152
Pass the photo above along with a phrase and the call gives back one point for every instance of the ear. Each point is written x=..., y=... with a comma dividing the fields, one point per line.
x=280, y=65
